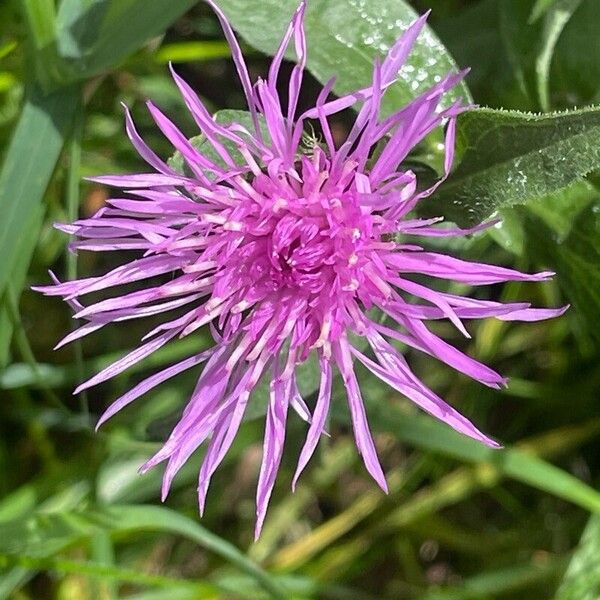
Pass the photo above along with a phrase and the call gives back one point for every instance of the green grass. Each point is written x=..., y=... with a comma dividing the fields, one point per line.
x=461, y=521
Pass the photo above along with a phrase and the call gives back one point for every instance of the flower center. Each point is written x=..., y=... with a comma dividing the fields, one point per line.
x=300, y=245
x=313, y=245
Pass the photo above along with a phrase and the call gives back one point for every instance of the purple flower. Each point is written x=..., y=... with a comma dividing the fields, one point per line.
x=284, y=251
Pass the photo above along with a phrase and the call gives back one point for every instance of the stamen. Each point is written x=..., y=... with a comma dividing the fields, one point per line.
x=279, y=204
x=233, y=226
x=325, y=331
x=380, y=284
x=352, y=286
x=217, y=219
x=240, y=306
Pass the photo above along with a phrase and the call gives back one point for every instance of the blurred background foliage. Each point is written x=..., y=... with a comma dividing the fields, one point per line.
x=461, y=521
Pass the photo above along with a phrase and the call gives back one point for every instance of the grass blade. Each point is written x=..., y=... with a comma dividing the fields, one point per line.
x=30, y=161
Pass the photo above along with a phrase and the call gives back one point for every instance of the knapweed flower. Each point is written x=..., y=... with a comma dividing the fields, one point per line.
x=286, y=250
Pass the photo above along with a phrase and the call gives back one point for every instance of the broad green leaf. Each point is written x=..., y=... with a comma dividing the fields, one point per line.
x=582, y=579
x=96, y=35
x=511, y=158
x=344, y=37
x=29, y=163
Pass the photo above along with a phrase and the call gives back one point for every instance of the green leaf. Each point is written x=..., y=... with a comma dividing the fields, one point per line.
x=576, y=65
x=557, y=17
x=29, y=163
x=25, y=247
x=582, y=579
x=519, y=43
x=119, y=479
x=223, y=117
x=17, y=504
x=517, y=463
x=509, y=233
x=511, y=462
x=156, y=518
x=493, y=38
x=511, y=158
x=343, y=39
x=540, y=8
x=47, y=533
x=95, y=35
x=43, y=535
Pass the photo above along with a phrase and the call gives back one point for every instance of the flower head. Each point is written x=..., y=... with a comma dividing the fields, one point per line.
x=284, y=251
